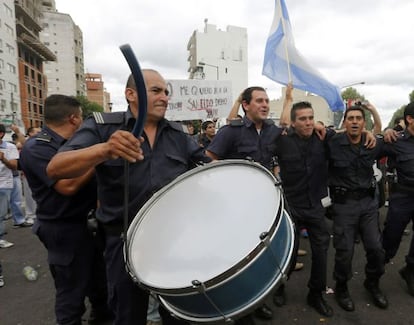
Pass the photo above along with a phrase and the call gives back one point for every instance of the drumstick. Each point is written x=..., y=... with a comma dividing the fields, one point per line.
x=140, y=85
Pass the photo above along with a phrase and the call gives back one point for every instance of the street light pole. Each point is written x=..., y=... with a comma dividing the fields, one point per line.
x=354, y=84
x=211, y=65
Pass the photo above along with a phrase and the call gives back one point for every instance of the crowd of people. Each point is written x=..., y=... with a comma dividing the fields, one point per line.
x=76, y=169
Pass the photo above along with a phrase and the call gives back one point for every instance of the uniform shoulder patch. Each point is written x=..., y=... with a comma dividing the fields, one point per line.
x=43, y=136
x=236, y=122
x=108, y=118
x=176, y=126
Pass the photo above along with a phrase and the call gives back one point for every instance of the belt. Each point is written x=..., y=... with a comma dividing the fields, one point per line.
x=341, y=193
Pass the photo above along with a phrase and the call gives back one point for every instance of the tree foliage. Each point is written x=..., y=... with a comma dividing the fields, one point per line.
x=398, y=113
x=411, y=96
x=351, y=93
x=88, y=107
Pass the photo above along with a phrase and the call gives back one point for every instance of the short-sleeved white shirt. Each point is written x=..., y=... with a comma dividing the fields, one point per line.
x=6, y=175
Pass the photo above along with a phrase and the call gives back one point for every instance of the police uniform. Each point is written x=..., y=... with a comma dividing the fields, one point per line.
x=401, y=206
x=172, y=154
x=61, y=225
x=352, y=188
x=241, y=140
x=304, y=174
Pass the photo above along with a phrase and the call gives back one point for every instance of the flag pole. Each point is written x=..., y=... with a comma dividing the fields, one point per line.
x=285, y=41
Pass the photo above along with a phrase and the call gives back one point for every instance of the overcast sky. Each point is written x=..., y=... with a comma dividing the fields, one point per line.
x=347, y=41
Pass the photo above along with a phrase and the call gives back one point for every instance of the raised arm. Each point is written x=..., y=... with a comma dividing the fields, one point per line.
x=234, y=112
x=20, y=136
x=287, y=105
x=377, y=119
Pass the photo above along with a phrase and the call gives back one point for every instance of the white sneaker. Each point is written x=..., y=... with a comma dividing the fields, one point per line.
x=5, y=244
x=1, y=281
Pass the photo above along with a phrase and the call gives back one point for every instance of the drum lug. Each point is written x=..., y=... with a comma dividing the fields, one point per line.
x=135, y=279
x=199, y=286
x=264, y=238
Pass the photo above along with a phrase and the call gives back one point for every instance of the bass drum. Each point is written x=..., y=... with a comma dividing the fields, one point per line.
x=213, y=243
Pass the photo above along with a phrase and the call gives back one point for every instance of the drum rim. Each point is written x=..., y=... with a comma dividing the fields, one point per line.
x=232, y=271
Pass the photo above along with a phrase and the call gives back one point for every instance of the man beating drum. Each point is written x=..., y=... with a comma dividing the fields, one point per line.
x=162, y=153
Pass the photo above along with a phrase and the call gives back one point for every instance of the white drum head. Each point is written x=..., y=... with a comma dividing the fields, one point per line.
x=202, y=224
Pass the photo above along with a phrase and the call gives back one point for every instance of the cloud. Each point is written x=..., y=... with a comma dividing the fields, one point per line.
x=347, y=41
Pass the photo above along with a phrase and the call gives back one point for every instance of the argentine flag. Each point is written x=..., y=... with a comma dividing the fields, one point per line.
x=283, y=63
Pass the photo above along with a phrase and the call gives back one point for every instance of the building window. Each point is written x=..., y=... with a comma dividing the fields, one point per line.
x=8, y=11
x=11, y=68
x=3, y=105
x=9, y=30
x=2, y=84
x=13, y=87
x=10, y=49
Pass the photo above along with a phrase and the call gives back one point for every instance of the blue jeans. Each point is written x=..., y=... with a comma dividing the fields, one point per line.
x=4, y=205
x=16, y=201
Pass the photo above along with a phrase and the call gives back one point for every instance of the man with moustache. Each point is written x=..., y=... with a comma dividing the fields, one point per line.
x=355, y=209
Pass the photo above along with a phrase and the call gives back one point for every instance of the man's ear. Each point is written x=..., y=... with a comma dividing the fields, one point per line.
x=130, y=94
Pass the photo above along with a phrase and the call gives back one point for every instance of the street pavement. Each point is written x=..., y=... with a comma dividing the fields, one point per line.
x=23, y=302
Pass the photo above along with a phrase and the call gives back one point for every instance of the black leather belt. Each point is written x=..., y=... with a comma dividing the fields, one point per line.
x=341, y=194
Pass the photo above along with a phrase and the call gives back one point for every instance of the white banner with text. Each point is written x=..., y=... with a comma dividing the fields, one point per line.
x=198, y=99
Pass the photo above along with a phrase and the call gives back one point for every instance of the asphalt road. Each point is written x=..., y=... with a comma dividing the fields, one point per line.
x=23, y=302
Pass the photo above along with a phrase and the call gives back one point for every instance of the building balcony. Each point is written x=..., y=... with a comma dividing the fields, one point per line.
x=21, y=28
x=29, y=13
x=36, y=46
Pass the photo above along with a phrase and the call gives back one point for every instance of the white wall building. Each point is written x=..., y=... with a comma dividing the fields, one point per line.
x=223, y=55
x=64, y=38
x=9, y=74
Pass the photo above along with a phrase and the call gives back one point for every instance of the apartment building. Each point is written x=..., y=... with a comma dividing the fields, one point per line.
x=96, y=91
x=214, y=54
x=64, y=38
x=9, y=75
x=31, y=55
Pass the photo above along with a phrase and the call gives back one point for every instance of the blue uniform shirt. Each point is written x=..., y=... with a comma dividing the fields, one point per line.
x=173, y=153
x=350, y=166
x=240, y=140
x=51, y=205
x=303, y=168
x=402, y=151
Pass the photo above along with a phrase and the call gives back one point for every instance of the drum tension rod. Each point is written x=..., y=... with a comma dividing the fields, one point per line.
x=265, y=239
x=201, y=288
